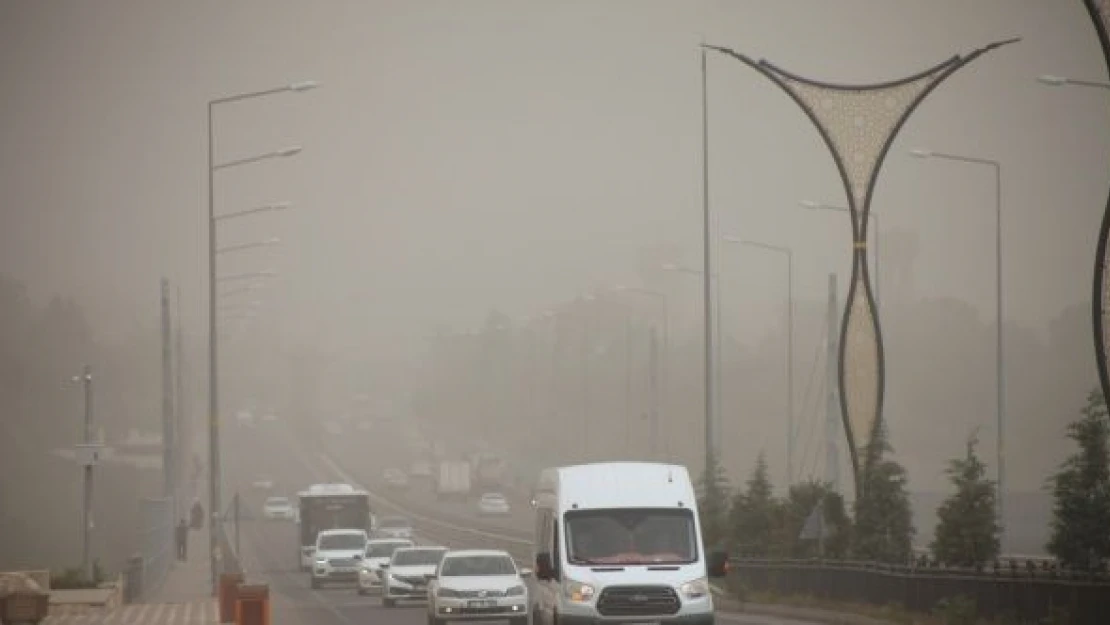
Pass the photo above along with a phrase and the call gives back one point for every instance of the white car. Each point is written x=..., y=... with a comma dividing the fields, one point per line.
x=493, y=504
x=393, y=527
x=278, y=508
x=263, y=483
x=478, y=585
x=407, y=573
x=378, y=552
x=338, y=556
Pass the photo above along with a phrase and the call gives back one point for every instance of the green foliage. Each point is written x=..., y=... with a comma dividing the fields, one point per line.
x=883, y=529
x=958, y=610
x=1081, y=489
x=754, y=514
x=967, y=532
x=74, y=578
x=713, y=492
x=803, y=500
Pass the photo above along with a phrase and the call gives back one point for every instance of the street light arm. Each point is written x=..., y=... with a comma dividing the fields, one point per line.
x=293, y=87
x=245, y=276
x=1059, y=81
x=248, y=246
x=955, y=157
x=251, y=211
x=282, y=153
x=767, y=246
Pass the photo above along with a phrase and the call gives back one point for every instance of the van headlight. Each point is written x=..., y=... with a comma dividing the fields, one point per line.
x=577, y=591
x=695, y=589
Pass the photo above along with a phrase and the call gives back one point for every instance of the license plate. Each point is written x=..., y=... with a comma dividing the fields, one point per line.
x=481, y=603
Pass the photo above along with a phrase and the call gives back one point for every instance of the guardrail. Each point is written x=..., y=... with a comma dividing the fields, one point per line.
x=1021, y=592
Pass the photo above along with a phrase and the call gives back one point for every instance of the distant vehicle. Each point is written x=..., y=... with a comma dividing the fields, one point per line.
x=454, y=480
x=406, y=573
x=263, y=483
x=393, y=527
x=490, y=471
x=378, y=552
x=396, y=478
x=338, y=556
x=326, y=507
x=278, y=508
x=639, y=522
x=421, y=469
x=478, y=585
x=493, y=504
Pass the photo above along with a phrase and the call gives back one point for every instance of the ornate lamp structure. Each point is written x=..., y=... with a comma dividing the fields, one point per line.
x=1100, y=300
x=858, y=124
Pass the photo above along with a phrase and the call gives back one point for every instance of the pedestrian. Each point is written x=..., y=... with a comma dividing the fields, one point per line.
x=198, y=514
x=182, y=532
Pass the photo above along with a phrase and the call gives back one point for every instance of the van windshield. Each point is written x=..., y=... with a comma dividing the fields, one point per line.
x=631, y=536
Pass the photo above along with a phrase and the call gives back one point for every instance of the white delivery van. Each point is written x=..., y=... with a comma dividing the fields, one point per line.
x=620, y=542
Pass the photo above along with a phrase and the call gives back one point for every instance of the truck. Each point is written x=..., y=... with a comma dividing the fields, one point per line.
x=454, y=480
x=329, y=507
x=490, y=471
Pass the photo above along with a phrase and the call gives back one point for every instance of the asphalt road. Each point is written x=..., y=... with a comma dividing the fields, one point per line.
x=269, y=548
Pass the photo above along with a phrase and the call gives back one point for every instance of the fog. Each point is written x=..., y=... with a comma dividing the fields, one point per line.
x=468, y=167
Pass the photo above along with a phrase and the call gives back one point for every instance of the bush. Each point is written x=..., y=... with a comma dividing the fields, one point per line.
x=74, y=578
x=959, y=610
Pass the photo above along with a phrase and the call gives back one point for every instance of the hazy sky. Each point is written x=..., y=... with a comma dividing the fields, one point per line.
x=468, y=155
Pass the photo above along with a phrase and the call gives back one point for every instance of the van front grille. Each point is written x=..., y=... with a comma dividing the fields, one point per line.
x=638, y=601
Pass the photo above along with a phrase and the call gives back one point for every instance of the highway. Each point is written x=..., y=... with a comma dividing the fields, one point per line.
x=269, y=548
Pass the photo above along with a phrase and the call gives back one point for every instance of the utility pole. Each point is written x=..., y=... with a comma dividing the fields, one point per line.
x=86, y=517
x=168, y=455
x=832, y=402
x=628, y=387
x=181, y=425
x=707, y=275
x=653, y=371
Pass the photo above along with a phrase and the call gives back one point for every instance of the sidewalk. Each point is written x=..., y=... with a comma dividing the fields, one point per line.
x=184, y=599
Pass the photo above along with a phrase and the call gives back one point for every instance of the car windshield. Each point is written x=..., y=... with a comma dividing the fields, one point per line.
x=384, y=550
x=463, y=566
x=342, y=541
x=394, y=521
x=417, y=557
x=631, y=536
x=277, y=502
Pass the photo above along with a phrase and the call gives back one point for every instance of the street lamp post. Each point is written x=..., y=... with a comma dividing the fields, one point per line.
x=664, y=375
x=811, y=205
x=213, y=334
x=789, y=253
x=1000, y=376
x=86, y=515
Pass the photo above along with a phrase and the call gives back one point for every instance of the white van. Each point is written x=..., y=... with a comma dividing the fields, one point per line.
x=620, y=542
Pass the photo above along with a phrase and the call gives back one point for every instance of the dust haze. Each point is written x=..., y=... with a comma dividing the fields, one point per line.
x=477, y=179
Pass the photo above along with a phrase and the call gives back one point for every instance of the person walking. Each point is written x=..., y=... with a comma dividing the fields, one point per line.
x=182, y=535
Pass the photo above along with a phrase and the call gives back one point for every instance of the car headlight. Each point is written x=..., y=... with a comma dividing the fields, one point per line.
x=695, y=589
x=446, y=592
x=577, y=591
x=515, y=591
x=321, y=560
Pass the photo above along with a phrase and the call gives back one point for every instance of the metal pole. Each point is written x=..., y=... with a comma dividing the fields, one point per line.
x=168, y=455
x=878, y=263
x=664, y=370
x=709, y=450
x=213, y=384
x=653, y=371
x=237, y=552
x=627, y=387
x=86, y=521
x=832, y=404
x=586, y=385
x=998, y=346
x=184, y=432
x=790, y=367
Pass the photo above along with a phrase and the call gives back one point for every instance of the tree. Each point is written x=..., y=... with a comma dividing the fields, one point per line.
x=834, y=526
x=884, y=524
x=967, y=532
x=1081, y=490
x=713, y=503
x=753, y=514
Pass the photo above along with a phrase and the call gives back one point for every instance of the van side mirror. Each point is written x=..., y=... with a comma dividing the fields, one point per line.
x=545, y=570
x=383, y=565
x=717, y=564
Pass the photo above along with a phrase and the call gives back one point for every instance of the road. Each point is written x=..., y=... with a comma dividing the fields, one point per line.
x=269, y=548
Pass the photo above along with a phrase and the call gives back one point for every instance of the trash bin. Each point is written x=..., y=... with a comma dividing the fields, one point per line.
x=228, y=590
x=24, y=607
x=252, y=606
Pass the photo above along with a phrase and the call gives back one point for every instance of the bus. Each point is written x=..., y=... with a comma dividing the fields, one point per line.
x=327, y=507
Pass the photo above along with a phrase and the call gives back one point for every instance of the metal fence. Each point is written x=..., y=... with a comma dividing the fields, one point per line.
x=1019, y=594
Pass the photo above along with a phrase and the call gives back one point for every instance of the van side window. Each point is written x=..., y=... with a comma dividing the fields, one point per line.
x=556, y=548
